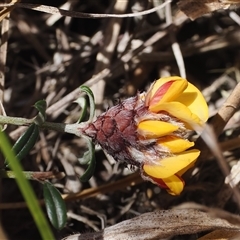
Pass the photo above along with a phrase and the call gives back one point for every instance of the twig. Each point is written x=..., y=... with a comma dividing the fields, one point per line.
x=231, y=105
x=62, y=12
x=220, y=120
x=130, y=180
x=39, y=176
x=175, y=46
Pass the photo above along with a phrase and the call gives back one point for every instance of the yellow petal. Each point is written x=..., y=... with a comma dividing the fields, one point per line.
x=155, y=129
x=158, y=83
x=181, y=112
x=175, y=184
x=175, y=144
x=169, y=166
x=162, y=92
x=181, y=172
x=194, y=100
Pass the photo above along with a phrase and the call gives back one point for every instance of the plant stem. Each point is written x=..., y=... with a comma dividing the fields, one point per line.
x=59, y=127
x=40, y=176
x=63, y=127
x=15, y=120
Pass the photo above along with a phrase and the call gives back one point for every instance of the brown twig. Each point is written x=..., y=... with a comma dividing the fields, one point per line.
x=130, y=180
x=220, y=120
x=62, y=12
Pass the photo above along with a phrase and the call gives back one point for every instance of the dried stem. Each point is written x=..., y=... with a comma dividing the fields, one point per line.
x=39, y=176
x=130, y=180
x=62, y=12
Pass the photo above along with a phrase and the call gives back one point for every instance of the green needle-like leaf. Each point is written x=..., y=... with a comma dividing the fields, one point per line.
x=83, y=104
x=88, y=157
x=89, y=172
x=89, y=92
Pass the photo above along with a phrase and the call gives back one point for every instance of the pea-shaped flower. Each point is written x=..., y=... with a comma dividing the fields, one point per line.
x=150, y=131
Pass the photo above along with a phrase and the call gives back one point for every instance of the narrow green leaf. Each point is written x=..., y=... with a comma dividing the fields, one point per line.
x=56, y=208
x=26, y=189
x=26, y=142
x=83, y=104
x=41, y=106
x=89, y=172
x=85, y=159
x=89, y=92
x=29, y=144
x=19, y=144
x=88, y=157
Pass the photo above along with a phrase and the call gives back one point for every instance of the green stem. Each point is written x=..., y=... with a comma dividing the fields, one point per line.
x=63, y=127
x=15, y=120
x=59, y=127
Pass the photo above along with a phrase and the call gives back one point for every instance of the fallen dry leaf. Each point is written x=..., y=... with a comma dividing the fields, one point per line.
x=159, y=225
x=195, y=8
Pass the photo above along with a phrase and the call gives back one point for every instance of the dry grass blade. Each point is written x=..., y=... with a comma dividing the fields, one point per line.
x=160, y=225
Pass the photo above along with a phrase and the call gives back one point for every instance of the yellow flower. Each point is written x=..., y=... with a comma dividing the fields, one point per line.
x=150, y=131
x=186, y=109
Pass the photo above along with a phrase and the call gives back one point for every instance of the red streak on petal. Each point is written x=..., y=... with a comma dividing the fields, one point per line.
x=160, y=93
x=180, y=178
x=160, y=182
